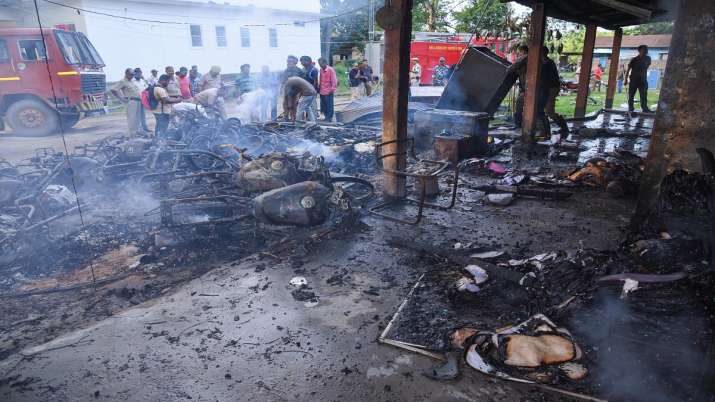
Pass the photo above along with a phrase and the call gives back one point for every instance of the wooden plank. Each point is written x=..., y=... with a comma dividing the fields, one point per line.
x=396, y=89
x=626, y=8
x=613, y=69
x=584, y=79
x=533, y=68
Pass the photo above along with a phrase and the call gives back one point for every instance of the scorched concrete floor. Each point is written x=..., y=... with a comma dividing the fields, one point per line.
x=236, y=333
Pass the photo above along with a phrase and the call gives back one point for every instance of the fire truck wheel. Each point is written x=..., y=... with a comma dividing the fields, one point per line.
x=69, y=120
x=32, y=118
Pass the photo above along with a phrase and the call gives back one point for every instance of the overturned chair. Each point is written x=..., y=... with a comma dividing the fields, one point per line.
x=426, y=174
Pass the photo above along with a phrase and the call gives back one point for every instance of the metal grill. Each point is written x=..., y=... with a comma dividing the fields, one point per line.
x=93, y=83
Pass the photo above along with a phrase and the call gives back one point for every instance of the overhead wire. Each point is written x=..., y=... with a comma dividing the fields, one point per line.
x=154, y=21
x=64, y=140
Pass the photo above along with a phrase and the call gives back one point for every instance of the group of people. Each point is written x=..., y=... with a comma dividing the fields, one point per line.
x=361, y=80
x=440, y=73
x=300, y=86
x=549, y=85
x=167, y=90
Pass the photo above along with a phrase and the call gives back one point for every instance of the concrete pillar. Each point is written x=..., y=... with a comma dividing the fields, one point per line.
x=613, y=69
x=533, y=68
x=684, y=119
x=584, y=79
x=396, y=89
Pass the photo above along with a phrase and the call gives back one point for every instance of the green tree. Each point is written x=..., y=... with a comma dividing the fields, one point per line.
x=345, y=27
x=487, y=17
x=431, y=15
x=653, y=28
x=573, y=40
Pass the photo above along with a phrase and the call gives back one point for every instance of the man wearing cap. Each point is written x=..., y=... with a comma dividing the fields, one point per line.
x=212, y=97
x=129, y=95
x=415, y=72
x=211, y=80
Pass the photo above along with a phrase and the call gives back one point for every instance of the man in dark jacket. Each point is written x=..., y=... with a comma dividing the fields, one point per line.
x=549, y=89
x=355, y=81
x=637, y=72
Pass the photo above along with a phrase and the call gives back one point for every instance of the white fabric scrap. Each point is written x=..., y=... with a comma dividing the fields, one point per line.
x=629, y=285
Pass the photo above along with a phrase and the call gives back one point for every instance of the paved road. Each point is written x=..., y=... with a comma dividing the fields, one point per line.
x=16, y=148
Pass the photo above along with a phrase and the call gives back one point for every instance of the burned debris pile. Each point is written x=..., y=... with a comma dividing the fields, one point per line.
x=502, y=321
x=559, y=320
x=208, y=178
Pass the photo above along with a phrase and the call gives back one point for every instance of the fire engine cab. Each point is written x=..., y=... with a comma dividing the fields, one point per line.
x=428, y=47
x=48, y=78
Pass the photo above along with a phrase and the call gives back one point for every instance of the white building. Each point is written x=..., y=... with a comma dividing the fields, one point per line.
x=158, y=33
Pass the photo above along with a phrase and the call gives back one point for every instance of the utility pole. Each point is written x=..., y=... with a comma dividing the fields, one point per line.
x=371, y=21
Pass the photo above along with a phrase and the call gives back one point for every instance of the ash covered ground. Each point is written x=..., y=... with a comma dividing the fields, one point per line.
x=210, y=312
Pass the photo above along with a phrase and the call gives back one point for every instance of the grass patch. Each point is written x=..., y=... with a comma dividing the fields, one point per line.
x=565, y=104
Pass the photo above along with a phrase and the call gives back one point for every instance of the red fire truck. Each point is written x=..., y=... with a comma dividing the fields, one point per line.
x=33, y=104
x=428, y=47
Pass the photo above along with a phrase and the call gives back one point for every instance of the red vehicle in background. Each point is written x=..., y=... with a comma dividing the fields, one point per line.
x=30, y=102
x=428, y=47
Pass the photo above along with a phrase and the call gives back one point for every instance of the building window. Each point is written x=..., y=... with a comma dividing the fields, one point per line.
x=66, y=27
x=221, y=36
x=272, y=37
x=245, y=37
x=4, y=55
x=196, y=36
x=32, y=49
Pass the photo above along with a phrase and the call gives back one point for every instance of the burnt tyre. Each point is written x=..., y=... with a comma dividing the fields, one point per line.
x=32, y=118
x=69, y=120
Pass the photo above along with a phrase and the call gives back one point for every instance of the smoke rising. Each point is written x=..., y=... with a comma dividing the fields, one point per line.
x=641, y=345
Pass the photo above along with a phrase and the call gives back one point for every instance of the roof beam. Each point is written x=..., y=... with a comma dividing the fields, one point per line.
x=639, y=12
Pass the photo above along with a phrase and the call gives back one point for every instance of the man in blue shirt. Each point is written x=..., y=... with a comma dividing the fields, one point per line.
x=245, y=83
x=311, y=72
x=311, y=75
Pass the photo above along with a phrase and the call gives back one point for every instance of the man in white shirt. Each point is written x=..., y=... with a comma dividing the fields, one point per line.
x=141, y=85
x=415, y=72
x=153, y=78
